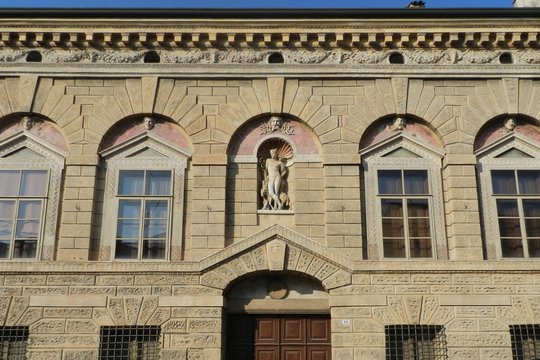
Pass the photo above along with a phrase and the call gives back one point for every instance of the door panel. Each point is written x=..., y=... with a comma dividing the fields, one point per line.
x=293, y=330
x=318, y=353
x=318, y=330
x=267, y=331
x=266, y=353
x=289, y=352
x=278, y=337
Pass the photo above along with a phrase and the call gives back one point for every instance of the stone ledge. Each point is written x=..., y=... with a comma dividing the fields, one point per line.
x=474, y=300
x=191, y=301
x=68, y=300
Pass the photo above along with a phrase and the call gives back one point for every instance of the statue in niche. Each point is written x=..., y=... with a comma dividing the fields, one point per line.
x=276, y=124
x=273, y=189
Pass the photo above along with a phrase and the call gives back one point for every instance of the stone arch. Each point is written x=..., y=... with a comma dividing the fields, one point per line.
x=276, y=250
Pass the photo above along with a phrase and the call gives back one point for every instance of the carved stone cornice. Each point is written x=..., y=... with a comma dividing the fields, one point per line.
x=273, y=38
x=250, y=41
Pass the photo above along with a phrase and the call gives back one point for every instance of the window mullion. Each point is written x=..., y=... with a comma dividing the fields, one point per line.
x=406, y=226
x=141, y=227
x=524, y=239
x=14, y=228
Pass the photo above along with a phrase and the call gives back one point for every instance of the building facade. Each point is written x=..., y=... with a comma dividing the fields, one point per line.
x=343, y=185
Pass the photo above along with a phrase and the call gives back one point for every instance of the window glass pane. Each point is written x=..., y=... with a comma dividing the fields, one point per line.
x=390, y=182
x=27, y=229
x=512, y=248
x=6, y=209
x=156, y=209
x=394, y=248
x=126, y=249
x=531, y=208
x=419, y=228
x=391, y=208
x=532, y=227
x=504, y=182
x=128, y=229
x=9, y=182
x=509, y=227
x=4, y=249
x=34, y=183
x=534, y=247
x=6, y=228
x=25, y=249
x=153, y=249
x=29, y=209
x=131, y=182
x=130, y=209
x=418, y=208
x=156, y=229
x=393, y=227
x=507, y=208
x=529, y=182
x=420, y=248
x=158, y=182
x=416, y=182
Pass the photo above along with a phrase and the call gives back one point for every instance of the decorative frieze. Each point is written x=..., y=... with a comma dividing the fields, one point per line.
x=328, y=56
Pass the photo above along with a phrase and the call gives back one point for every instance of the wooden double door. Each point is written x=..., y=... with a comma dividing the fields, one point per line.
x=283, y=337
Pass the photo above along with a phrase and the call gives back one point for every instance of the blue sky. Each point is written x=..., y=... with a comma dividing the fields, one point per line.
x=250, y=3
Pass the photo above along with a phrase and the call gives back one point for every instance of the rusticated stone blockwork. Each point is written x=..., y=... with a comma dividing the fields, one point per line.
x=360, y=170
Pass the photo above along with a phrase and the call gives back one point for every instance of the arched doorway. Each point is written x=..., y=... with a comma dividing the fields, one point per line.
x=277, y=317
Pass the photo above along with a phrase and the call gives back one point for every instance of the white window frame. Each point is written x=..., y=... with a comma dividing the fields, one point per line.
x=429, y=159
x=488, y=161
x=118, y=158
x=52, y=161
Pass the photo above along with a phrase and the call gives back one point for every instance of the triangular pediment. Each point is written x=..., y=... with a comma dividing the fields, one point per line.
x=277, y=249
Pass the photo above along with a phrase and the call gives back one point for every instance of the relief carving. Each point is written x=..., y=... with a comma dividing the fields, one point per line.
x=276, y=255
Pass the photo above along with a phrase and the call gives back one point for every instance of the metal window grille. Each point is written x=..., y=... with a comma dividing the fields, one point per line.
x=525, y=342
x=13, y=341
x=129, y=343
x=415, y=342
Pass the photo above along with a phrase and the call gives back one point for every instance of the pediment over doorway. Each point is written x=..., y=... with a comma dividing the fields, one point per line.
x=276, y=249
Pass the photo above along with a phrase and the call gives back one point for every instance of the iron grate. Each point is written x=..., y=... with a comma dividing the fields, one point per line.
x=13, y=342
x=415, y=342
x=525, y=342
x=129, y=342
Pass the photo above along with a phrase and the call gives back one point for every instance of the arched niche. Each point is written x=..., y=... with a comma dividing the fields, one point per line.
x=283, y=292
x=250, y=154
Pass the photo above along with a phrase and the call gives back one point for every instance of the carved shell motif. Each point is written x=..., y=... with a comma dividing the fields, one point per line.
x=284, y=149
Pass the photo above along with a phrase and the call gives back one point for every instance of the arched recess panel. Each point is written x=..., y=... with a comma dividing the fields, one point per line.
x=142, y=172
x=507, y=150
x=404, y=207
x=32, y=158
x=268, y=156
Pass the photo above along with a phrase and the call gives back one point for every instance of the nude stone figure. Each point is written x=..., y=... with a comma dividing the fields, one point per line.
x=274, y=172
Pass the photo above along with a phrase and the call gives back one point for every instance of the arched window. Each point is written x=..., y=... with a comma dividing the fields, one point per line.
x=508, y=168
x=404, y=206
x=144, y=194
x=30, y=177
